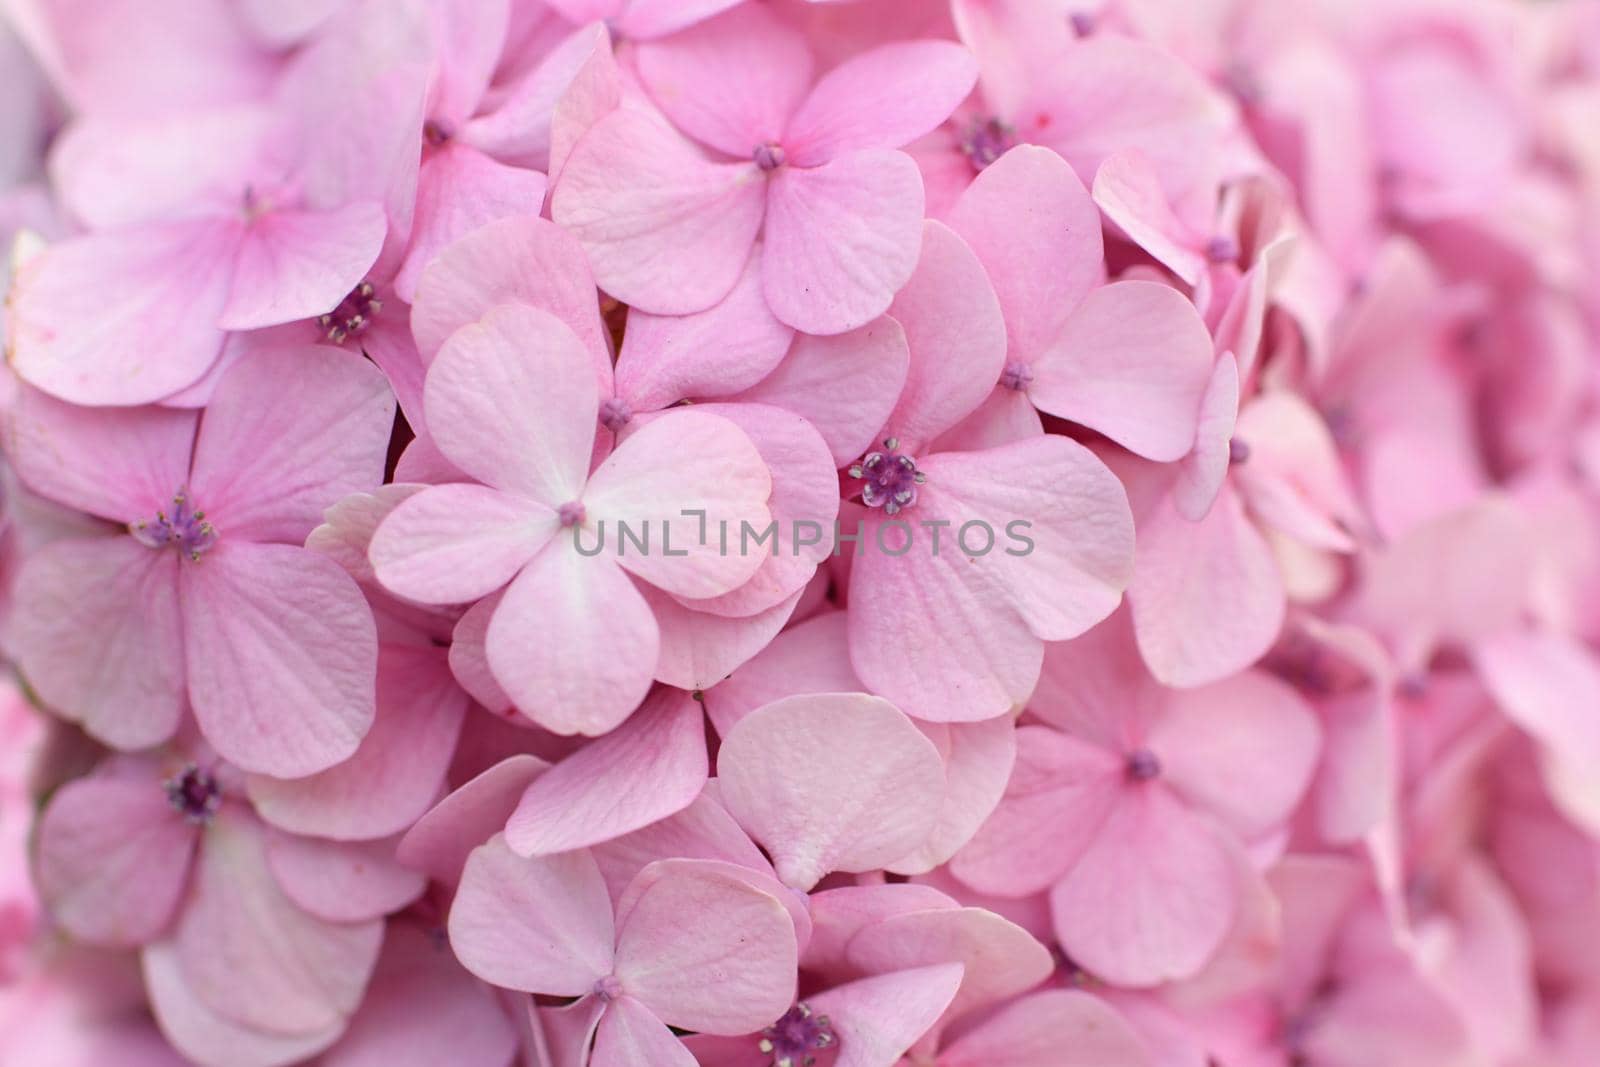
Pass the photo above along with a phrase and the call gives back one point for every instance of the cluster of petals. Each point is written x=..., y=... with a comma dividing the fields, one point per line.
x=800, y=533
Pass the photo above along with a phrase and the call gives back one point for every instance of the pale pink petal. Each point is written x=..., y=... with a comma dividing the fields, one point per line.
x=1128, y=189
x=342, y=881
x=1295, y=480
x=683, y=478
x=1031, y=223
x=731, y=82
x=440, y=841
x=208, y=1037
x=704, y=949
x=838, y=782
x=573, y=643
x=884, y=98
x=97, y=634
x=999, y=958
x=422, y=1009
x=1060, y=793
x=467, y=39
x=564, y=1036
x=699, y=649
x=122, y=316
x=645, y=19
x=469, y=656
x=593, y=93
x=810, y=657
x=478, y=393
x=650, y=767
x=665, y=228
x=1243, y=749
x=458, y=190
x=630, y=1034
x=282, y=653
x=1096, y=688
x=513, y=261
x=120, y=463
x=113, y=859
x=397, y=771
x=957, y=336
x=1152, y=897
x=704, y=831
x=295, y=264
x=1055, y=1028
x=1185, y=572
x=1201, y=472
x=452, y=544
x=978, y=757
x=718, y=352
x=1133, y=362
x=288, y=433
x=347, y=527
x=841, y=239
x=516, y=127
x=879, y=1018
x=540, y=924
x=844, y=385
x=255, y=957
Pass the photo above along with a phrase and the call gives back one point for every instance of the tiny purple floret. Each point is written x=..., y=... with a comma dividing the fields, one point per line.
x=195, y=793
x=891, y=478
x=770, y=156
x=615, y=414
x=182, y=528
x=793, y=1039
x=1017, y=375
x=353, y=315
x=1143, y=765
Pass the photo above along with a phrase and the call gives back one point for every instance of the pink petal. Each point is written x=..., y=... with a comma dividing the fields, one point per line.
x=702, y=831
x=630, y=1034
x=646, y=19
x=295, y=264
x=810, y=657
x=286, y=435
x=718, y=352
x=573, y=643
x=458, y=190
x=1243, y=748
x=1042, y=261
x=440, y=841
x=841, y=239
x=422, y=1009
x=513, y=261
x=97, y=633
x=650, y=767
x=282, y=652
x=978, y=757
x=516, y=127
x=1133, y=362
x=256, y=958
x=838, y=782
x=1201, y=472
x=478, y=393
x=1059, y=796
x=879, y=1018
x=341, y=881
x=120, y=464
x=122, y=316
x=594, y=92
x=452, y=544
x=699, y=649
x=397, y=771
x=844, y=385
x=884, y=98
x=1297, y=484
x=1054, y=1028
x=731, y=82
x=1128, y=189
x=539, y=924
x=957, y=336
x=469, y=658
x=1185, y=571
x=690, y=475
x=704, y=949
x=665, y=228
x=347, y=527
x=113, y=859
x=1152, y=897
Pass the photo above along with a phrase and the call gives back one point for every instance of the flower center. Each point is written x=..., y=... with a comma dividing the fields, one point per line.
x=353, y=315
x=615, y=414
x=891, y=478
x=1143, y=765
x=182, y=528
x=769, y=156
x=608, y=988
x=195, y=793
x=1017, y=375
x=1222, y=249
x=986, y=140
x=792, y=1039
x=435, y=133
x=1083, y=23
x=572, y=513
x=1238, y=450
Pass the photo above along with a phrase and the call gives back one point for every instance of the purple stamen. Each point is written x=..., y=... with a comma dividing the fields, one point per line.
x=1238, y=450
x=615, y=414
x=353, y=315
x=183, y=529
x=770, y=156
x=1083, y=23
x=1222, y=249
x=194, y=792
x=891, y=478
x=1143, y=765
x=608, y=988
x=572, y=513
x=1016, y=375
x=792, y=1039
x=986, y=140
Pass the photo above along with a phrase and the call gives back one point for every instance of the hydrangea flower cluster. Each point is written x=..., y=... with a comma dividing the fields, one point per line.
x=800, y=533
